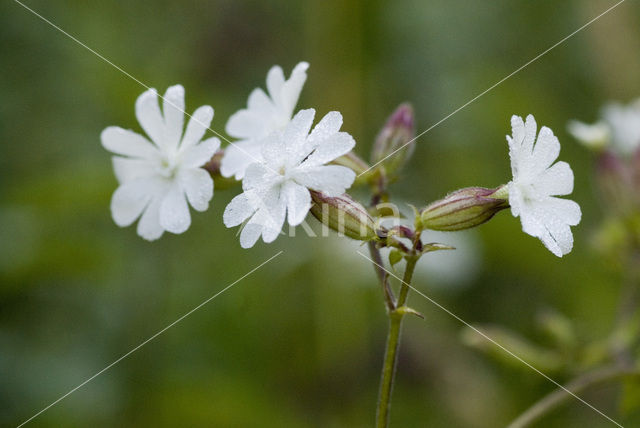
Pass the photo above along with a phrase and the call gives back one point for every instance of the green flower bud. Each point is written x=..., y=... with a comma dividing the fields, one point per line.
x=344, y=215
x=391, y=145
x=462, y=209
x=353, y=162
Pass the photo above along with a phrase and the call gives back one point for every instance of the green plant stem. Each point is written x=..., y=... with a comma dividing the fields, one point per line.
x=560, y=396
x=382, y=276
x=393, y=343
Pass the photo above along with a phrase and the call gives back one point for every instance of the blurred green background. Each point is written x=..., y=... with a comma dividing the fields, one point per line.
x=300, y=342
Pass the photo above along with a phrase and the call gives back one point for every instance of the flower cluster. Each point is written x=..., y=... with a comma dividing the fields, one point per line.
x=278, y=158
x=287, y=167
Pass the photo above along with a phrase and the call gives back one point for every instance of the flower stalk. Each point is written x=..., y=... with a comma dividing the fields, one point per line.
x=393, y=344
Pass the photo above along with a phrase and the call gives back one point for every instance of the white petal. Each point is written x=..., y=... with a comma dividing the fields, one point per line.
x=256, y=176
x=545, y=151
x=532, y=224
x=260, y=104
x=516, y=200
x=563, y=210
x=297, y=130
x=276, y=151
x=625, y=126
x=298, y=201
x=267, y=220
x=272, y=229
x=530, y=128
x=127, y=143
x=552, y=244
x=198, y=186
x=127, y=169
x=275, y=82
x=595, y=135
x=327, y=127
x=558, y=239
x=557, y=180
x=237, y=211
x=149, y=225
x=198, y=155
x=173, y=108
x=272, y=214
x=198, y=124
x=521, y=145
x=250, y=234
x=150, y=117
x=549, y=220
x=238, y=156
x=330, y=149
x=129, y=200
x=330, y=179
x=174, y=211
x=289, y=147
x=291, y=90
x=524, y=133
x=247, y=124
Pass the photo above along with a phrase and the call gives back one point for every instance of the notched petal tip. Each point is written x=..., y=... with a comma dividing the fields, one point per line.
x=301, y=67
x=147, y=96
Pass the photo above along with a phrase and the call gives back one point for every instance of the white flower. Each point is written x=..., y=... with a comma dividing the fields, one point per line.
x=535, y=183
x=595, y=136
x=619, y=128
x=293, y=162
x=158, y=177
x=264, y=114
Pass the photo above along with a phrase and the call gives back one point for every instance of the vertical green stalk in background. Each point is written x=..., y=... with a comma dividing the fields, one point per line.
x=393, y=343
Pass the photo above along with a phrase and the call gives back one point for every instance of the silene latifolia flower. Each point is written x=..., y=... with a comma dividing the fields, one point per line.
x=618, y=129
x=293, y=161
x=158, y=175
x=264, y=114
x=536, y=182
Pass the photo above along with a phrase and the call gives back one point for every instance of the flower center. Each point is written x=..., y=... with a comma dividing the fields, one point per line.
x=166, y=167
x=529, y=192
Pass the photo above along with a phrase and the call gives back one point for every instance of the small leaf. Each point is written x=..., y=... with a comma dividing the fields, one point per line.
x=395, y=256
x=434, y=246
x=408, y=310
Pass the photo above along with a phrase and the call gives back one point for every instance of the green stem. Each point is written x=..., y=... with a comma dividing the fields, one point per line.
x=393, y=343
x=382, y=276
x=560, y=396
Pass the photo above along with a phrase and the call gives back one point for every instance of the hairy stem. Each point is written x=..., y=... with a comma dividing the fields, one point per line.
x=560, y=396
x=393, y=343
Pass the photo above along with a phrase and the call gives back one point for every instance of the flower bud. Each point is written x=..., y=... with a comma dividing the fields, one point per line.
x=391, y=145
x=344, y=215
x=213, y=168
x=462, y=209
x=353, y=162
